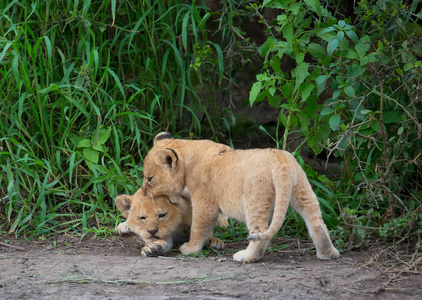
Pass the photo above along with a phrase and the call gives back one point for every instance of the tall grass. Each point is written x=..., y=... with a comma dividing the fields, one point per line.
x=84, y=86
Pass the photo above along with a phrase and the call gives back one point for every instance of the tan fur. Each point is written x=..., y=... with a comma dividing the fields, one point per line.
x=158, y=222
x=252, y=186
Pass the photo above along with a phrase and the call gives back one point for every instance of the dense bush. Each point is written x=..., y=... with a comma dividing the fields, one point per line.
x=84, y=88
x=354, y=93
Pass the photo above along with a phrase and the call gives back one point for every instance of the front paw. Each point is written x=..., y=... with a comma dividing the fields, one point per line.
x=187, y=248
x=122, y=228
x=222, y=221
x=215, y=243
x=155, y=248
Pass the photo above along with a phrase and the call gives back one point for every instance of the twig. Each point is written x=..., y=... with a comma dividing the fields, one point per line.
x=359, y=226
x=11, y=246
x=395, y=276
x=409, y=114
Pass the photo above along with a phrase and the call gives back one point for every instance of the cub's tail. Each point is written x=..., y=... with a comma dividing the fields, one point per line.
x=283, y=184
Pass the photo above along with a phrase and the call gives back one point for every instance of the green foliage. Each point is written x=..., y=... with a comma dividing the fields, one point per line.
x=351, y=91
x=84, y=86
x=235, y=232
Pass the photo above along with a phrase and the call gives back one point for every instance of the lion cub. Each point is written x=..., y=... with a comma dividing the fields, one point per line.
x=252, y=186
x=158, y=222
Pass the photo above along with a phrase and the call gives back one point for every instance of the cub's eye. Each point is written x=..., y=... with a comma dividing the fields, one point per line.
x=142, y=218
x=161, y=216
x=149, y=179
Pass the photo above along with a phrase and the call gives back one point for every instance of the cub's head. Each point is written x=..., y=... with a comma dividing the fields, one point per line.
x=150, y=219
x=163, y=168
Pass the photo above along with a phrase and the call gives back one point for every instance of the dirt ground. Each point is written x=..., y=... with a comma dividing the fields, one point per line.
x=112, y=268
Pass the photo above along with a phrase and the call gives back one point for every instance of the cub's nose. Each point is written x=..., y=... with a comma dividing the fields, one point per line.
x=152, y=232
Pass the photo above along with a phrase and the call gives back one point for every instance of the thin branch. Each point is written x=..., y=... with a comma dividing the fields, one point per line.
x=11, y=246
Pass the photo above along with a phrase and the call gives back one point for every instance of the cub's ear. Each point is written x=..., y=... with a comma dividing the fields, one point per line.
x=124, y=203
x=173, y=200
x=168, y=157
x=176, y=199
x=162, y=136
x=186, y=194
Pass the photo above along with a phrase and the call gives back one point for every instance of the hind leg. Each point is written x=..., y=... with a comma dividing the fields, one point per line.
x=306, y=204
x=254, y=252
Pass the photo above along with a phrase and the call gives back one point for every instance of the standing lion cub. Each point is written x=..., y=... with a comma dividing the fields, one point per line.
x=252, y=186
x=158, y=222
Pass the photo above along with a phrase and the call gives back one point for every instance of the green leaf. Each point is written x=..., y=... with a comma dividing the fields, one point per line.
x=336, y=93
x=220, y=61
x=372, y=57
x=306, y=90
x=392, y=116
x=300, y=57
x=376, y=127
x=350, y=54
x=288, y=32
x=98, y=147
x=327, y=111
x=350, y=91
x=74, y=139
x=275, y=3
x=78, y=104
x=185, y=30
x=79, y=82
x=255, y=90
x=5, y=48
x=274, y=101
x=357, y=108
x=340, y=36
x=85, y=143
x=334, y=122
x=321, y=82
x=113, y=10
x=361, y=49
x=341, y=23
x=275, y=63
x=85, y=8
x=408, y=66
x=316, y=50
x=51, y=87
x=332, y=46
x=301, y=72
x=103, y=136
x=314, y=5
x=266, y=47
x=326, y=30
x=287, y=89
x=48, y=46
x=91, y=155
x=353, y=36
x=118, y=82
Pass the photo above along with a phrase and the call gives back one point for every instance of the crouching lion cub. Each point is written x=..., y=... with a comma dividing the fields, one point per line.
x=252, y=186
x=158, y=222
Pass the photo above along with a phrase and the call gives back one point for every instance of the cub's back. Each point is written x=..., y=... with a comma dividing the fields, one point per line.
x=253, y=162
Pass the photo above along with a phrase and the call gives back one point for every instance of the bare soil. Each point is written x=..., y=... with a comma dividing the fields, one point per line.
x=65, y=268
